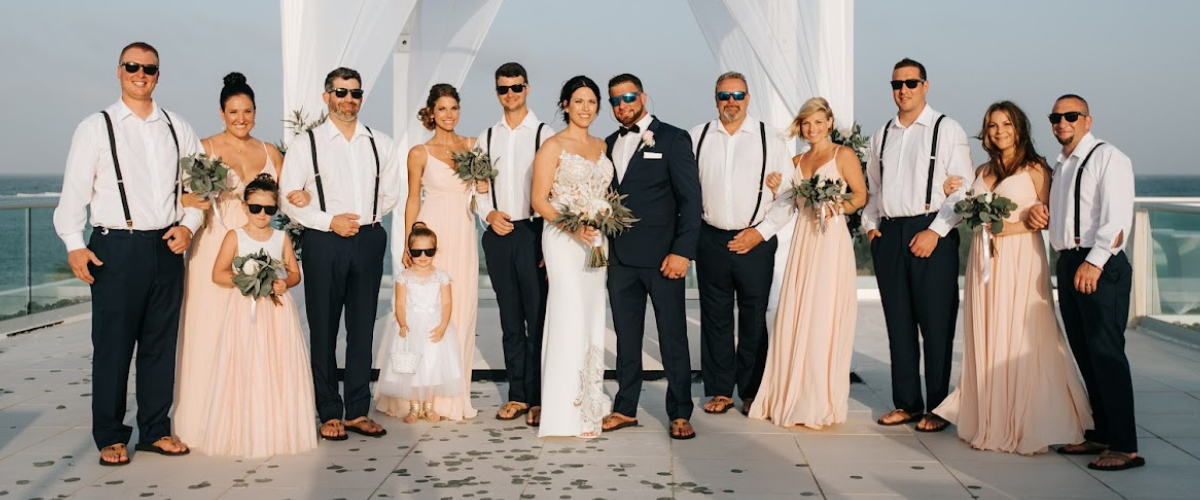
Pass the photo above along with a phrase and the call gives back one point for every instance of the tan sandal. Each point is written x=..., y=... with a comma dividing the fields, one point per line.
x=431, y=415
x=414, y=413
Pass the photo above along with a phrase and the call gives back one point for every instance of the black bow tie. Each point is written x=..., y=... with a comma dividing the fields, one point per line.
x=635, y=129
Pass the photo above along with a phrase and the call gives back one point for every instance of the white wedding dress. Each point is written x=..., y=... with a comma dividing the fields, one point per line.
x=573, y=399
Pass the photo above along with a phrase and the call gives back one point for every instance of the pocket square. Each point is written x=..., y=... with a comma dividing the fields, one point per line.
x=650, y=155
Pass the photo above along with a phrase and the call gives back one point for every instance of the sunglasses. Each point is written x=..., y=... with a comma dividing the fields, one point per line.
x=737, y=96
x=626, y=97
x=503, y=89
x=257, y=209
x=132, y=67
x=1070, y=116
x=416, y=252
x=912, y=84
x=340, y=92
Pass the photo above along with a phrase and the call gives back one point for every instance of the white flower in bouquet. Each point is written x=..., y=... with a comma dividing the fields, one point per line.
x=251, y=267
x=987, y=197
x=597, y=207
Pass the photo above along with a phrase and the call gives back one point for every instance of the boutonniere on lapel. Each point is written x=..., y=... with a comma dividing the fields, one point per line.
x=647, y=140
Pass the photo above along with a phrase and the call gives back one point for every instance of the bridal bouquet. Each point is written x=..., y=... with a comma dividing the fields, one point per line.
x=608, y=214
x=294, y=230
x=208, y=177
x=821, y=194
x=255, y=273
x=473, y=166
x=986, y=211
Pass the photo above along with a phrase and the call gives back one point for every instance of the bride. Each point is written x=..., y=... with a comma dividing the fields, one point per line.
x=572, y=164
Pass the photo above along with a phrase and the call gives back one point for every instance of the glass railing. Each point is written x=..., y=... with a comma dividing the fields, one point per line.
x=34, y=275
x=1165, y=252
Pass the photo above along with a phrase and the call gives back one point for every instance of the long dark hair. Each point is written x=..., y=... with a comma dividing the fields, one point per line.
x=569, y=88
x=1024, y=153
x=436, y=92
x=235, y=85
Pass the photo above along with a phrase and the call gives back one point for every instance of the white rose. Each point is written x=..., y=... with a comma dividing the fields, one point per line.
x=250, y=267
x=599, y=206
x=987, y=197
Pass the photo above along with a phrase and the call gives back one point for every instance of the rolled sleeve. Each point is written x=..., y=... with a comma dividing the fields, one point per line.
x=1115, y=198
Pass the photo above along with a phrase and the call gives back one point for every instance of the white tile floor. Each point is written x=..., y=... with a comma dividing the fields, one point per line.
x=46, y=449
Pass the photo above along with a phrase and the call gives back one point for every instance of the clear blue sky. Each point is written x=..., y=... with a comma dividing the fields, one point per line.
x=1134, y=61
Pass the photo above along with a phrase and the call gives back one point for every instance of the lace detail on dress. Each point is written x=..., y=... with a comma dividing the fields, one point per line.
x=579, y=179
x=407, y=277
x=593, y=403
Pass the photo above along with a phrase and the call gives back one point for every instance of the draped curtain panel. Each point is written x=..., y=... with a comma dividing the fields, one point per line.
x=320, y=35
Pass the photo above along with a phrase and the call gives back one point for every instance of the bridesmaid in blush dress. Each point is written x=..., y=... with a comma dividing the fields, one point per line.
x=1020, y=390
x=446, y=210
x=807, y=376
x=203, y=300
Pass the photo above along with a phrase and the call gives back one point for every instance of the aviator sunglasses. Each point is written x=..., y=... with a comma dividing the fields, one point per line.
x=737, y=96
x=256, y=208
x=132, y=67
x=912, y=84
x=626, y=97
x=1070, y=116
x=503, y=89
x=416, y=252
x=340, y=92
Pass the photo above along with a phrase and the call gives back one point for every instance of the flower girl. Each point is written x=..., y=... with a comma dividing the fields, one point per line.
x=262, y=392
x=423, y=360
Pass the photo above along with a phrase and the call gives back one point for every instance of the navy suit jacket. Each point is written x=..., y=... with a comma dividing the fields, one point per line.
x=664, y=194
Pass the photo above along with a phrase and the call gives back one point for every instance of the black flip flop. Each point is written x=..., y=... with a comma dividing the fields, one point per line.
x=539, y=417
x=1130, y=463
x=341, y=437
x=354, y=428
x=671, y=428
x=622, y=425
x=1089, y=448
x=945, y=424
x=152, y=448
x=515, y=415
x=912, y=417
x=724, y=406
x=117, y=463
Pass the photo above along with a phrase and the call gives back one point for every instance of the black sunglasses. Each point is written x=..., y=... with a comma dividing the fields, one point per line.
x=1070, y=116
x=340, y=92
x=503, y=89
x=737, y=96
x=416, y=252
x=132, y=67
x=627, y=97
x=912, y=84
x=256, y=208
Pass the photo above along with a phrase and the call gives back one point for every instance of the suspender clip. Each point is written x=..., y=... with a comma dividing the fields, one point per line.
x=926, y=208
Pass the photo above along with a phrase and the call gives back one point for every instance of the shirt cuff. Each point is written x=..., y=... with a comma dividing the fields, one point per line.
x=322, y=221
x=940, y=227
x=767, y=231
x=73, y=241
x=193, y=218
x=1098, y=257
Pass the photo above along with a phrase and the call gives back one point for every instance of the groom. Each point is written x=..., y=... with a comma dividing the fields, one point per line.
x=656, y=169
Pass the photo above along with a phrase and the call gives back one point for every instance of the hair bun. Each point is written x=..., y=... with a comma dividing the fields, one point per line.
x=264, y=177
x=418, y=224
x=235, y=78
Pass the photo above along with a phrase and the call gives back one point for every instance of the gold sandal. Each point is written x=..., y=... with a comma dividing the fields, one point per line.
x=431, y=415
x=414, y=413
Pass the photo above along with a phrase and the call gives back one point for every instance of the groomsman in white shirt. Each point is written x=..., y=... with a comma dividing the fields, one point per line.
x=353, y=173
x=512, y=242
x=1090, y=214
x=124, y=164
x=914, y=245
x=735, y=257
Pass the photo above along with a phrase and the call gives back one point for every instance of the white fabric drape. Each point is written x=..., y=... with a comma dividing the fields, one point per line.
x=789, y=51
x=320, y=35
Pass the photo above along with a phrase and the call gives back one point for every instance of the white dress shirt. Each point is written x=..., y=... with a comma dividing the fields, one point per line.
x=1105, y=201
x=627, y=145
x=149, y=165
x=347, y=175
x=512, y=152
x=906, y=167
x=730, y=168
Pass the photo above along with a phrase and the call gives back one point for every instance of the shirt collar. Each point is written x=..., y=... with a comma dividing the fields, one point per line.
x=925, y=118
x=749, y=126
x=332, y=132
x=530, y=121
x=121, y=111
x=1085, y=145
x=644, y=124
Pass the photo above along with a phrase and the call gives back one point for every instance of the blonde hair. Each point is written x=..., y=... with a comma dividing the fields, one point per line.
x=810, y=107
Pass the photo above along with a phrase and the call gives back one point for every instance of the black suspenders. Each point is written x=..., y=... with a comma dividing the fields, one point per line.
x=312, y=140
x=932, y=158
x=1078, y=183
x=537, y=145
x=112, y=146
x=762, y=174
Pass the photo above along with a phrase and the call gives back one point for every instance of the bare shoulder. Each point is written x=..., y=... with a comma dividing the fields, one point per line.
x=599, y=144
x=980, y=169
x=846, y=154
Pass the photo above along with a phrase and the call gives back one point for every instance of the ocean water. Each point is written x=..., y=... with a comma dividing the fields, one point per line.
x=43, y=252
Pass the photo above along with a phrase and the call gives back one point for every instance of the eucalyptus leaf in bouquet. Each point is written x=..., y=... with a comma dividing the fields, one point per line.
x=294, y=230
x=609, y=215
x=472, y=166
x=985, y=210
x=208, y=176
x=821, y=194
x=255, y=273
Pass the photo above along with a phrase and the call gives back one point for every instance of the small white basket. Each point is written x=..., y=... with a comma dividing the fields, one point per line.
x=404, y=360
